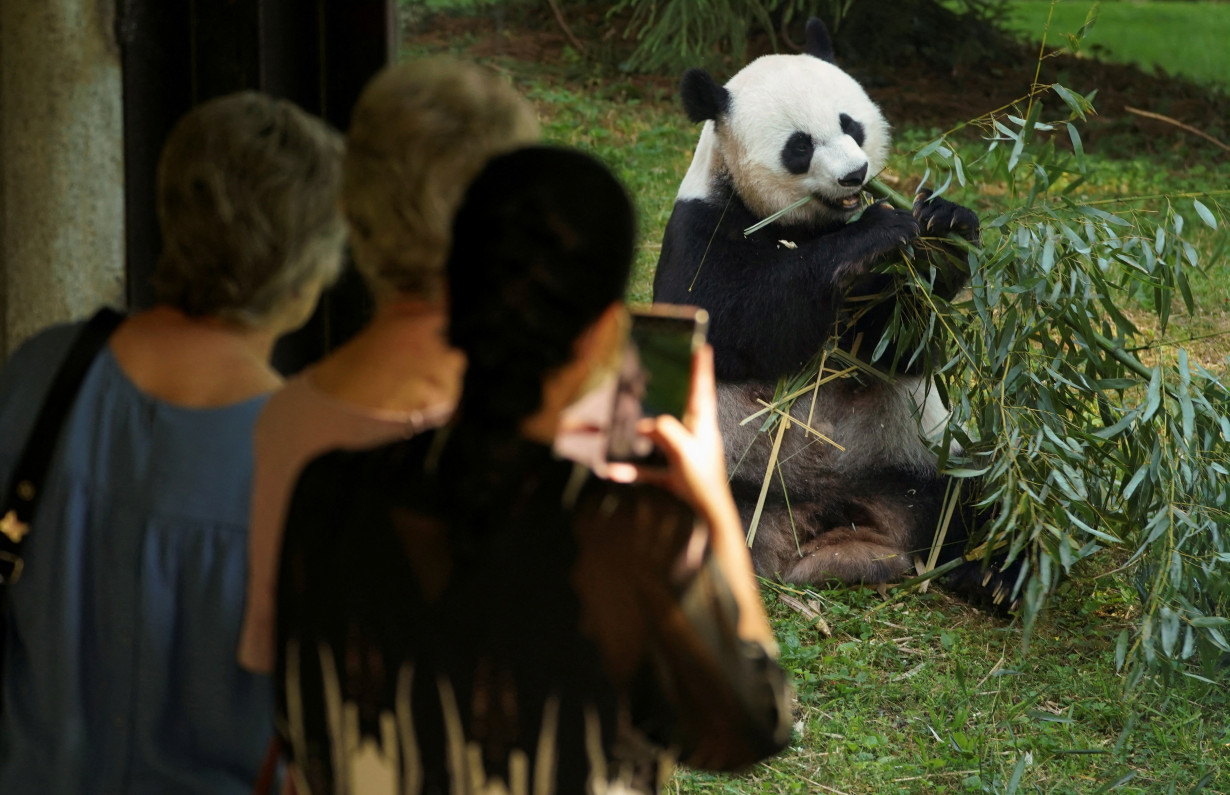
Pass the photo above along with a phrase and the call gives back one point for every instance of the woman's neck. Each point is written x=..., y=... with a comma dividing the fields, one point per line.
x=560, y=390
x=256, y=342
x=400, y=362
x=198, y=362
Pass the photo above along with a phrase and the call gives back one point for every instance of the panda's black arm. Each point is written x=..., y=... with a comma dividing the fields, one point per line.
x=851, y=253
x=772, y=296
x=947, y=231
x=760, y=325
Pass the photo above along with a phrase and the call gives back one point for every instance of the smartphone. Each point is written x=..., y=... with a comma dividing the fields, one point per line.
x=655, y=376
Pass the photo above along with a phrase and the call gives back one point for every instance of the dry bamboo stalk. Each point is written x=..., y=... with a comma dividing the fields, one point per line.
x=801, y=424
x=832, y=376
x=768, y=476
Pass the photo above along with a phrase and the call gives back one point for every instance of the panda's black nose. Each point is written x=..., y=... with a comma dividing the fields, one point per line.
x=854, y=178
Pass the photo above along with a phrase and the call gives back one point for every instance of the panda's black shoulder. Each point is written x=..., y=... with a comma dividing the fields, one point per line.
x=696, y=213
x=691, y=224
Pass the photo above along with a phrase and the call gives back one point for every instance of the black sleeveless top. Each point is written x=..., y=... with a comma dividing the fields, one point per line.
x=463, y=616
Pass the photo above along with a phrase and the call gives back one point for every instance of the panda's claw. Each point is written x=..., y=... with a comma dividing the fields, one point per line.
x=938, y=215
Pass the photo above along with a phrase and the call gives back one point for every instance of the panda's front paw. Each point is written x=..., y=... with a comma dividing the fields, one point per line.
x=938, y=216
x=896, y=228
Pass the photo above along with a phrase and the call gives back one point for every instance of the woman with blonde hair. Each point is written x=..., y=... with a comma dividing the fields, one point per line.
x=119, y=669
x=419, y=133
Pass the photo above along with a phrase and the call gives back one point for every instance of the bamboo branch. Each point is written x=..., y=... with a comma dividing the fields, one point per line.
x=1105, y=344
x=559, y=17
x=878, y=188
x=1187, y=127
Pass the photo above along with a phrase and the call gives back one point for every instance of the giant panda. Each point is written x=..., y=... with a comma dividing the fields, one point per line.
x=786, y=127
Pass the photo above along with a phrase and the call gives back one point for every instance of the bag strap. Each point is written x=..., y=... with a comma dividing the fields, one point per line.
x=26, y=484
x=267, y=777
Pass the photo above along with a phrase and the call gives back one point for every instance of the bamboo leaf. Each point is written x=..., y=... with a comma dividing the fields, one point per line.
x=1154, y=399
x=1074, y=101
x=1170, y=630
x=1121, y=646
x=1114, y=430
x=1204, y=214
x=1048, y=254
x=1014, y=783
x=929, y=149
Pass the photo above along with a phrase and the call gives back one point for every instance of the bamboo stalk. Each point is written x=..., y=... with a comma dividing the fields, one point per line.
x=879, y=189
x=768, y=478
x=787, y=417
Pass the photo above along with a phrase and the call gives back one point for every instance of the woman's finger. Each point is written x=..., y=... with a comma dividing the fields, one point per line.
x=670, y=436
x=623, y=472
x=702, y=398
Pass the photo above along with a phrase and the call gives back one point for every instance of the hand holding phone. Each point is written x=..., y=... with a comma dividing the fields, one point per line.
x=696, y=473
x=655, y=377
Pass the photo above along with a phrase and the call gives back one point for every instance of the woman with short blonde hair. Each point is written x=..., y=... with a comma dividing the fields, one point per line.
x=419, y=134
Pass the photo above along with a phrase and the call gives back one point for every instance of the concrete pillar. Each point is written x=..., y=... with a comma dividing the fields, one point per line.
x=61, y=164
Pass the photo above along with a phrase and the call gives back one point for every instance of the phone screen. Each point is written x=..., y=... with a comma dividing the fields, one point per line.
x=655, y=376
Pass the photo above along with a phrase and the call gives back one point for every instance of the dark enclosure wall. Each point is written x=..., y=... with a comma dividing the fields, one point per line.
x=317, y=53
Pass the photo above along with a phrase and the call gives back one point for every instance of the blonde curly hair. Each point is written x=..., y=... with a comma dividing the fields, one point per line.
x=419, y=134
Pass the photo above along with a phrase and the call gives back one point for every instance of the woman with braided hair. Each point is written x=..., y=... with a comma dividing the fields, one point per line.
x=466, y=612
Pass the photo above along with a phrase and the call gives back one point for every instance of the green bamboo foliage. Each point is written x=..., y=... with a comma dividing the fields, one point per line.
x=675, y=34
x=1085, y=435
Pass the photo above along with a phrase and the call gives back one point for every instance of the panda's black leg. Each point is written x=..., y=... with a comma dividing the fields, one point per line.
x=854, y=554
x=990, y=586
x=795, y=549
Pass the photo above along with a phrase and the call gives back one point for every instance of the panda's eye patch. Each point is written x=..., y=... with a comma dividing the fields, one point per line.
x=852, y=128
x=796, y=154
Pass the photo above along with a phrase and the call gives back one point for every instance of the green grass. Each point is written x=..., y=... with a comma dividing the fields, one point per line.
x=924, y=695
x=647, y=144
x=1191, y=39
x=919, y=693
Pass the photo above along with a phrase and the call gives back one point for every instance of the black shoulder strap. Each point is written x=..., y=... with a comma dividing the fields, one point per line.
x=26, y=484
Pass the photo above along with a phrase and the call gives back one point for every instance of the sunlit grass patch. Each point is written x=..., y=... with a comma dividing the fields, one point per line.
x=926, y=695
x=1181, y=37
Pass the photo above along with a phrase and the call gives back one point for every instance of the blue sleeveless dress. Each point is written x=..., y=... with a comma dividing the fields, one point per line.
x=120, y=672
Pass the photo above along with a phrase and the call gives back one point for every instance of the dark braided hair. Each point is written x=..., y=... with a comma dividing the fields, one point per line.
x=542, y=245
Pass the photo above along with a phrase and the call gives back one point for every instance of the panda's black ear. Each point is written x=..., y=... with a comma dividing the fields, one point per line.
x=818, y=42
x=703, y=98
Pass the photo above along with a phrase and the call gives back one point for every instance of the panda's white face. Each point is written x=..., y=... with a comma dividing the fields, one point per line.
x=795, y=126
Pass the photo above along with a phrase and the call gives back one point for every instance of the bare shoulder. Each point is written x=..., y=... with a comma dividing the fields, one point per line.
x=191, y=362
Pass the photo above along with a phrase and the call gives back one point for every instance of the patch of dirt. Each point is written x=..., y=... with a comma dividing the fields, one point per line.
x=917, y=91
x=932, y=98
